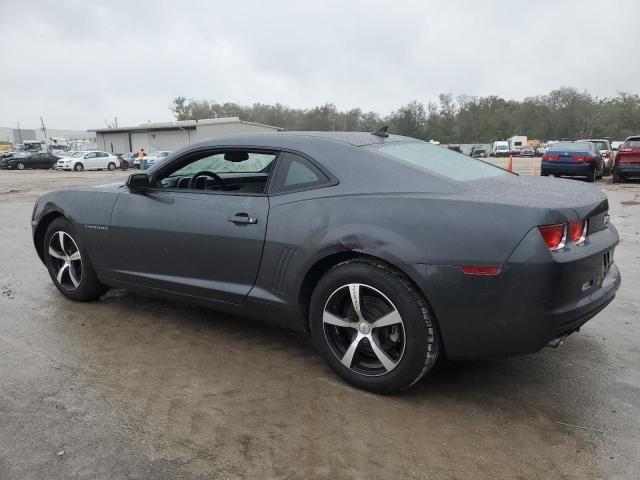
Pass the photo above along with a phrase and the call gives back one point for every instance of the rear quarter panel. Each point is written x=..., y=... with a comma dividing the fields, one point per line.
x=400, y=229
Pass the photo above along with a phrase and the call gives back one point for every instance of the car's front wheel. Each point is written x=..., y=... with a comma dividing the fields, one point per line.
x=373, y=327
x=78, y=167
x=68, y=264
x=20, y=166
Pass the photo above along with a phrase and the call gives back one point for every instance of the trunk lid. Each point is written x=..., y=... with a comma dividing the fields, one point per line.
x=628, y=155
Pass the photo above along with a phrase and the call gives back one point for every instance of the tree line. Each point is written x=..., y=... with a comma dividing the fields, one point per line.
x=565, y=113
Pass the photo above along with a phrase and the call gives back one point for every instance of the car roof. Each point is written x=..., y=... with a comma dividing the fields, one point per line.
x=357, y=139
x=633, y=137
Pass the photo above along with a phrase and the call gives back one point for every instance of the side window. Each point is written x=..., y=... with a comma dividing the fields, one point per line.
x=297, y=173
x=236, y=171
x=103, y=154
x=90, y=155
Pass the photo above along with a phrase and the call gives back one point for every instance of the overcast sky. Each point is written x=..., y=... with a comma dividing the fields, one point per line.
x=78, y=63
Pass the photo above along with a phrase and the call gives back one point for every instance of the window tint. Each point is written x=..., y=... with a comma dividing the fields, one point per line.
x=91, y=155
x=297, y=173
x=439, y=160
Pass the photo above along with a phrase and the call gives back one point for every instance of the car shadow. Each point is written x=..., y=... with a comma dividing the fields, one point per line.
x=559, y=382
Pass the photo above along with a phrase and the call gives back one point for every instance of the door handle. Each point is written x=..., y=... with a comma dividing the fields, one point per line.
x=243, y=218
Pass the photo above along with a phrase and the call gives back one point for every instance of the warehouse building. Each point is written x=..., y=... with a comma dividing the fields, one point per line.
x=172, y=135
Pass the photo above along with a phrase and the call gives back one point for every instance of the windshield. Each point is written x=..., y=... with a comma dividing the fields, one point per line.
x=572, y=146
x=78, y=154
x=438, y=160
x=632, y=143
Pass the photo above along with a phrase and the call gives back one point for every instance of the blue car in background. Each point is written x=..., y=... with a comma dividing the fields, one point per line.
x=573, y=159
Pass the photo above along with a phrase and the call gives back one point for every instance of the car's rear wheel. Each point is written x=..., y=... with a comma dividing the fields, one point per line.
x=592, y=176
x=68, y=265
x=20, y=166
x=78, y=167
x=373, y=327
x=617, y=178
x=111, y=166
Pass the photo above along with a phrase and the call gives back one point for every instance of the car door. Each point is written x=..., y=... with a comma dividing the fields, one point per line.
x=89, y=161
x=196, y=242
x=102, y=160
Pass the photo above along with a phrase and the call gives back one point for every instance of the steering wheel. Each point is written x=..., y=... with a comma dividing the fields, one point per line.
x=203, y=173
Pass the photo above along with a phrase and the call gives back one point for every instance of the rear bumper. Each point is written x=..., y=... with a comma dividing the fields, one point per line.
x=578, y=169
x=628, y=170
x=537, y=297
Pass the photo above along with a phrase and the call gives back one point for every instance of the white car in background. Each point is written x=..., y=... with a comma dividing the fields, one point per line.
x=152, y=158
x=90, y=160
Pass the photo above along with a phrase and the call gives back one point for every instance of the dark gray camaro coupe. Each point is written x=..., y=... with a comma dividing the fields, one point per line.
x=390, y=251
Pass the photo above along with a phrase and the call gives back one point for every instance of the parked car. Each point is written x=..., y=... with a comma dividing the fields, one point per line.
x=359, y=248
x=500, y=148
x=540, y=149
x=527, y=151
x=20, y=161
x=606, y=151
x=627, y=164
x=154, y=157
x=478, y=151
x=90, y=160
x=574, y=159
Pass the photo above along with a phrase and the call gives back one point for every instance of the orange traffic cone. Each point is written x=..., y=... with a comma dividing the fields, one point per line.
x=510, y=164
x=534, y=172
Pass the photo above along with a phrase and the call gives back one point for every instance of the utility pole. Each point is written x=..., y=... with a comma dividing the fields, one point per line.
x=19, y=133
x=44, y=130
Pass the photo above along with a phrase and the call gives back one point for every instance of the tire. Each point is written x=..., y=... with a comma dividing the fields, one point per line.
x=593, y=176
x=68, y=263
x=78, y=167
x=616, y=177
x=543, y=173
x=20, y=166
x=409, y=345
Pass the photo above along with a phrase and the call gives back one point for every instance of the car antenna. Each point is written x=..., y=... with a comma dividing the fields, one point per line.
x=381, y=132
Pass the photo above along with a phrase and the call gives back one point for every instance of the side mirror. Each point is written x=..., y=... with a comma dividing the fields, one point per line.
x=138, y=181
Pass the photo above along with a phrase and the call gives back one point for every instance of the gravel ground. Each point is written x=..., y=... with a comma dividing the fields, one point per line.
x=133, y=387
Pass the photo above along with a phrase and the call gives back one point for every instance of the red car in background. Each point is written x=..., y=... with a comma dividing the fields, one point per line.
x=627, y=163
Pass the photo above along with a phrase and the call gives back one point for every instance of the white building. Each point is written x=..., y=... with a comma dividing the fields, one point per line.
x=172, y=135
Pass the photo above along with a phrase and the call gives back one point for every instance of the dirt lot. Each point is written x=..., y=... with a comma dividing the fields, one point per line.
x=131, y=387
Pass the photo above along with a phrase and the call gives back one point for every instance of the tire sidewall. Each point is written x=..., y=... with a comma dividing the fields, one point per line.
x=111, y=166
x=421, y=335
x=20, y=166
x=78, y=167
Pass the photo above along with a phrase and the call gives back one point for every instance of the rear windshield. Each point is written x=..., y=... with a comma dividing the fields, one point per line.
x=439, y=160
x=600, y=144
x=572, y=147
x=632, y=143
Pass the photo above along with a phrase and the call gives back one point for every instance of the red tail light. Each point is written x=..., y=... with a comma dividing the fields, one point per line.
x=481, y=270
x=550, y=158
x=607, y=154
x=577, y=231
x=581, y=158
x=554, y=236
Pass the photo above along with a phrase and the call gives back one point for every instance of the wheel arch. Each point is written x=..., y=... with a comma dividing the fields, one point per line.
x=43, y=224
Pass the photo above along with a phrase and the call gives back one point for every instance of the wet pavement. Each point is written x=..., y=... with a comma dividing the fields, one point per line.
x=133, y=387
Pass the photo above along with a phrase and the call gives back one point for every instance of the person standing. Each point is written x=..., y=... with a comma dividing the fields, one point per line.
x=141, y=155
